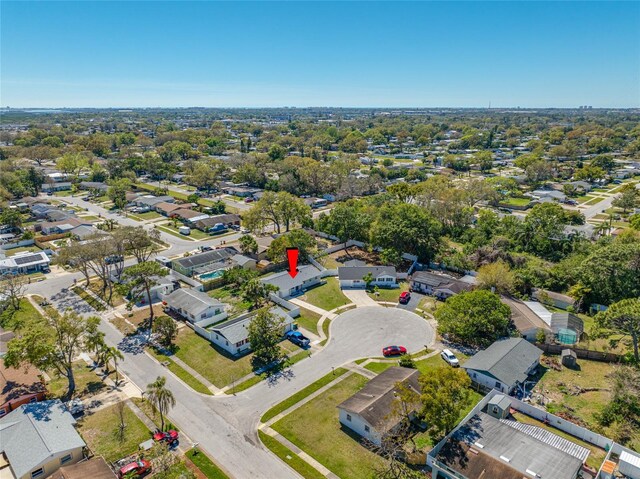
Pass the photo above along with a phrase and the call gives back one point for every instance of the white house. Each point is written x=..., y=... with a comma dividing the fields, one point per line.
x=36, y=439
x=195, y=306
x=308, y=276
x=352, y=276
x=504, y=365
x=25, y=263
x=369, y=411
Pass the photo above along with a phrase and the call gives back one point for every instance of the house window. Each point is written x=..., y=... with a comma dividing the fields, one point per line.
x=3, y=411
x=34, y=399
x=497, y=384
x=366, y=428
x=495, y=409
x=37, y=473
x=65, y=459
x=202, y=316
x=349, y=417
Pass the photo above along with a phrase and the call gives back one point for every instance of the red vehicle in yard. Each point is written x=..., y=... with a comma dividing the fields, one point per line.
x=394, y=351
x=140, y=468
x=169, y=437
x=405, y=296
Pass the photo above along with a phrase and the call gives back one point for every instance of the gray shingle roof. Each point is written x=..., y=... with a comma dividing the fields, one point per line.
x=195, y=302
x=35, y=432
x=507, y=360
x=236, y=330
x=346, y=273
x=207, y=257
x=284, y=282
x=374, y=402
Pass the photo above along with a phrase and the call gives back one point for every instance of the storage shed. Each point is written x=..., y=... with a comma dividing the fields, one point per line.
x=569, y=358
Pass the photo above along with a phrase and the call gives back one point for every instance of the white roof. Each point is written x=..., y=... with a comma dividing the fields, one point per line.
x=540, y=311
x=630, y=458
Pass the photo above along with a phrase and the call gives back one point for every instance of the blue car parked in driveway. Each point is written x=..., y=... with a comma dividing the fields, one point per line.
x=296, y=337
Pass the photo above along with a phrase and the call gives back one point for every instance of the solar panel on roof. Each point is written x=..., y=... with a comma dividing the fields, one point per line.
x=27, y=259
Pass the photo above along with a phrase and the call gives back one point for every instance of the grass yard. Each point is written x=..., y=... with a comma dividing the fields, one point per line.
x=327, y=296
x=315, y=429
x=289, y=457
x=308, y=320
x=205, y=465
x=100, y=432
x=22, y=249
x=174, y=233
x=229, y=295
x=90, y=300
x=303, y=393
x=595, y=200
x=179, y=371
x=516, y=201
x=584, y=198
x=390, y=295
x=96, y=287
x=88, y=382
x=11, y=319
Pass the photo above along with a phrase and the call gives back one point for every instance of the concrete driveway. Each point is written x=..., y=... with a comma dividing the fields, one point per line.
x=359, y=297
x=413, y=302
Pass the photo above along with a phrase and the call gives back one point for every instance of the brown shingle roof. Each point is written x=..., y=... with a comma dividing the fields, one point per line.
x=15, y=383
x=523, y=318
x=170, y=207
x=94, y=468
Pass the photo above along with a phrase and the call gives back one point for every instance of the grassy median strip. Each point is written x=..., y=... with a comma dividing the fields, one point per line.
x=90, y=300
x=206, y=465
x=300, y=395
x=176, y=369
x=288, y=456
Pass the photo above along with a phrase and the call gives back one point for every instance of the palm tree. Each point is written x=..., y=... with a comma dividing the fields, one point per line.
x=113, y=354
x=160, y=397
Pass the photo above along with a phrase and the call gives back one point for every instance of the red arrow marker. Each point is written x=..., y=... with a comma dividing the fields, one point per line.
x=292, y=256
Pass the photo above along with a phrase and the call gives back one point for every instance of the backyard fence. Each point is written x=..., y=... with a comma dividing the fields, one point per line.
x=18, y=244
x=581, y=353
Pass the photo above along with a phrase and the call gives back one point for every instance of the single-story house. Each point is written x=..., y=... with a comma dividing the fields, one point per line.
x=241, y=191
x=57, y=176
x=195, y=306
x=50, y=187
x=316, y=202
x=165, y=285
x=219, y=257
x=581, y=185
x=40, y=210
x=308, y=276
x=495, y=448
x=526, y=321
x=36, y=439
x=369, y=412
x=19, y=386
x=263, y=246
x=586, y=230
x=94, y=186
x=553, y=194
x=150, y=200
x=440, y=285
x=94, y=468
x=25, y=263
x=211, y=221
x=84, y=232
x=557, y=300
x=233, y=335
x=167, y=209
x=63, y=226
x=504, y=365
x=566, y=326
x=186, y=214
x=352, y=276
x=243, y=261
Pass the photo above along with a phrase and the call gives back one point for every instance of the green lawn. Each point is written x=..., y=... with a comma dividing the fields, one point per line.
x=327, y=296
x=90, y=300
x=390, y=295
x=100, y=432
x=303, y=393
x=516, y=201
x=255, y=379
x=11, y=319
x=595, y=200
x=206, y=465
x=308, y=320
x=87, y=381
x=315, y=429
x=229, y=295
x=179, y=371
x=288, y=456
x=195, y=233
x=149, y=215
x=174, y=233
x=213, y=363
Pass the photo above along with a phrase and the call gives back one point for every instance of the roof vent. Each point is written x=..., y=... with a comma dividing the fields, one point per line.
x=477, y=444
x=532, y=473
x=505, y=459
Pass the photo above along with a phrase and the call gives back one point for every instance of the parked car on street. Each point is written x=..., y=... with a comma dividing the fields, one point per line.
x=450, y=358
x=169, y=437
x=296, y=337
x=394, y=351
x=139, y=468
x=405, y=297
x=114, y=258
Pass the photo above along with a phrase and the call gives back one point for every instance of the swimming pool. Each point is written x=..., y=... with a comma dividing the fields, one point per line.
x=212, y=274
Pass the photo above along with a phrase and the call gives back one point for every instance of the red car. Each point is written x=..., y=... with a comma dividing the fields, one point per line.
x=405, y=296
x=140, y=468
x=394, y=351
x=169, y=437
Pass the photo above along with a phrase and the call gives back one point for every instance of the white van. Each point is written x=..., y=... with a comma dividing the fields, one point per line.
x=450, y=358
x=184, y=230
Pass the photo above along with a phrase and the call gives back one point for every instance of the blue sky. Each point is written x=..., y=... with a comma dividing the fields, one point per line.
x=56, y=54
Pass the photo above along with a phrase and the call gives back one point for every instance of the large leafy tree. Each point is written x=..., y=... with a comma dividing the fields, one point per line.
x=475, y=318
x=407, y=228
x=138, y=281
x=622, y=318
x=280, y=209
x=300, y=239
x=248, y=244
x=497, y=277
x=445, y=394
x=52, y=344
x=265, y=334
x=347, y=221
x=612, y=272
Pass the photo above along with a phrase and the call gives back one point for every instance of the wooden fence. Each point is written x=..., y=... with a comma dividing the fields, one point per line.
x=581, y=353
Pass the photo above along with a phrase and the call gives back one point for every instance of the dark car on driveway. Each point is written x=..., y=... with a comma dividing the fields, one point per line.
x=394, y=351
